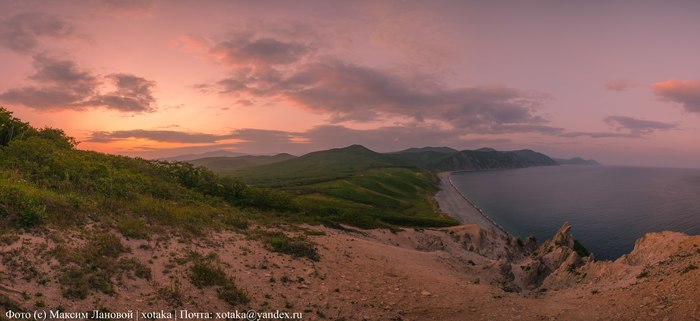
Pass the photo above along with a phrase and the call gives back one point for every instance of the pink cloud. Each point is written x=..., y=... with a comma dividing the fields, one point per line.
x=684, y=92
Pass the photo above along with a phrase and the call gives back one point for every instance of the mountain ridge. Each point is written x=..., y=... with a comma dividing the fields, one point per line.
x=576, y=161
x=214, y=153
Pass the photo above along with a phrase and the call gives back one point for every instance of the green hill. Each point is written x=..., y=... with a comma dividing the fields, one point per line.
x=356, y=183
x=224, y=165
x=319, y=167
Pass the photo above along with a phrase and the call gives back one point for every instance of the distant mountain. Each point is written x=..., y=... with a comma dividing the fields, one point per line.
x=216, y=153
x=286, y=170
x=484, y=158
x=477, y=160
x=320, y=166
x=224, y=165
x=446, y=150
x=576, y=161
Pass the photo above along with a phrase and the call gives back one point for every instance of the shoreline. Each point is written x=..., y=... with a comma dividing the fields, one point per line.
x=453, y=203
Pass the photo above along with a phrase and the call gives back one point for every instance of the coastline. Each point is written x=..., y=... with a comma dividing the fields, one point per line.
x=453, y=203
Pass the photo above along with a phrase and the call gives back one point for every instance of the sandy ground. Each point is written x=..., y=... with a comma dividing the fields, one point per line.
x=453, y=203
x=446, y=274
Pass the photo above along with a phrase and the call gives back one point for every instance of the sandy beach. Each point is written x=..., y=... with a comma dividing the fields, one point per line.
x=453, y=203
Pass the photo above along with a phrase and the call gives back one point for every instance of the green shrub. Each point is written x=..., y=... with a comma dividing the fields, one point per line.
x=296, y=247
x=90, y=267
x=23, y=205
x=203, y=274
x=689, y=268
x=133, y=227
x=231, y=294
x=12, y=128
x=235, y=221
x=77, y=282
x=103, y=245
x=131, y=264
x=172, y=294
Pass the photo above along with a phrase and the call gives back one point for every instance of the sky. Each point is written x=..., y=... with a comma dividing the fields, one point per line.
x=616, y=81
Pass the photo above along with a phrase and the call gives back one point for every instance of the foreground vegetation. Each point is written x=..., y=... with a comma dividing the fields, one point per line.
x=44, y=180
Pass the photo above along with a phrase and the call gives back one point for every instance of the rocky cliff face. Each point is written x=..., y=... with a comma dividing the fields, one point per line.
x=526, y=267
x=553, y=256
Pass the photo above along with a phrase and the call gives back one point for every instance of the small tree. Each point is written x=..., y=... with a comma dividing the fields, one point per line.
x=11, y=127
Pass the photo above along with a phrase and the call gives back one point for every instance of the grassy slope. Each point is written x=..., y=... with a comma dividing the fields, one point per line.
x=356, y=185
x=319, y=167
x=44, y=180
x=401, y=196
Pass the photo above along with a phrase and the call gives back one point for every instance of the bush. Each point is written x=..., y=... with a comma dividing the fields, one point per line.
x=133, y=227
x=297, y=247
x=236, y=221
x=103, y=245
x=12, y=128
x=91, y=267
x=172, y=294
x=231, y=294
x=203, y=274
x=140, y=271
x=22, y=206
x=74, y=283
x=689, y=268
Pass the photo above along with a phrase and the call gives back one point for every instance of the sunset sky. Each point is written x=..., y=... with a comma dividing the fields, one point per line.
x=617, y=81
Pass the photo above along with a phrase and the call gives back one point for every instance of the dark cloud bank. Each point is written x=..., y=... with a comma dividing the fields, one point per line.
x=61, y=84
x=263, y=67
x=23, y=33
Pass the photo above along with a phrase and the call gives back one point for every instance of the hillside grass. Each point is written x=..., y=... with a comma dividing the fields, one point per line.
x=46, y=181
x=370, y=198
x=354, y=186
x=395, y=196
x=318, y=167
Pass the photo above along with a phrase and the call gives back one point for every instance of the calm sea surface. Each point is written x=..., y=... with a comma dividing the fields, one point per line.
x=607, y=207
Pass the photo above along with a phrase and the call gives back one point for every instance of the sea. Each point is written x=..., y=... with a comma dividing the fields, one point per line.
x=608, y=207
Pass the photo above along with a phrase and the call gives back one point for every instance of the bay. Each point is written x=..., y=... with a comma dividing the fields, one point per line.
x=608, y=207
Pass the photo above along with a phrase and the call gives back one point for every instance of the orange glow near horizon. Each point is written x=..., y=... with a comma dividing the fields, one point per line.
x=191, y=77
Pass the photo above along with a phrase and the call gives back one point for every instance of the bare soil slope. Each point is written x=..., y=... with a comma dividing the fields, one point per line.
x=459, y=273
